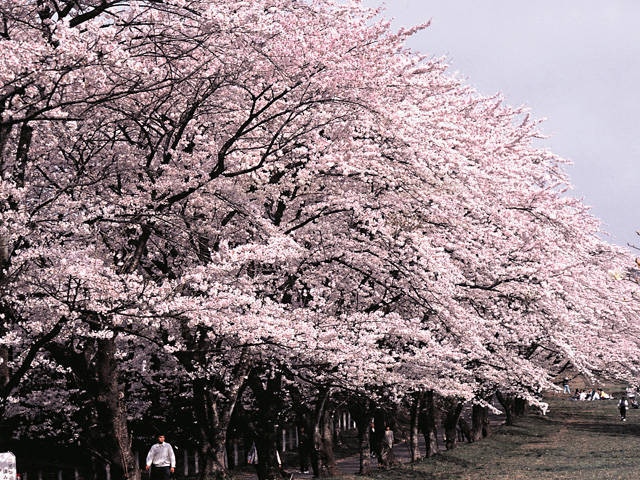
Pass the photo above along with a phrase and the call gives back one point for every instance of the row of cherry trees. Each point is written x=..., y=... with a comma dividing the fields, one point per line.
x=276, y=197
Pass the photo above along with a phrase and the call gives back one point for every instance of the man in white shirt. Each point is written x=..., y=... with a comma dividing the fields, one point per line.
x=161, y=460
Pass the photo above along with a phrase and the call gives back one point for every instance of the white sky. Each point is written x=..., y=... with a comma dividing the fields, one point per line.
x=575, y=63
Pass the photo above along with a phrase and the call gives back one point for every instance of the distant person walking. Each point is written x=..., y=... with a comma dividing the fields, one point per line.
x=386, y=455
x=622, y=407
x=565, y=385
x=388, y=437
x=372, y=440
x=161, y=460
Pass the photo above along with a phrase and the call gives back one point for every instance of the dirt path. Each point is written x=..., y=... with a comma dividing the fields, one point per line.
x=346, y=466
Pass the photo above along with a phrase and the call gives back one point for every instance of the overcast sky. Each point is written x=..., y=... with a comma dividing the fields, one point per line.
x=575, y=63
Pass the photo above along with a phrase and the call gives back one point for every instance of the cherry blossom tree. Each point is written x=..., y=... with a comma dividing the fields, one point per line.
x=134, y=134
x=279, y=190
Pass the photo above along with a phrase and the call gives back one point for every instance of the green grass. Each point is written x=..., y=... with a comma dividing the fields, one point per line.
x=576, y=440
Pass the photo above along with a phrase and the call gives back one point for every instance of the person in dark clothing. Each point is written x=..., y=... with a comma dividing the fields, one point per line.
x=372, y=439
x=622, y=407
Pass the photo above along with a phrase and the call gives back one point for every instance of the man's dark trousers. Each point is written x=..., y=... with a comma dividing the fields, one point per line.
x=160, y=473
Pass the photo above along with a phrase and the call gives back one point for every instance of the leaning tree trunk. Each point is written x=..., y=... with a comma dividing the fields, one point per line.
x=453, y=409
x=428, y=424
x=110, y=396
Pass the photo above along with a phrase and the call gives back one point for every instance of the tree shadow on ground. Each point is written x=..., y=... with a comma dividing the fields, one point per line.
x=615, y=429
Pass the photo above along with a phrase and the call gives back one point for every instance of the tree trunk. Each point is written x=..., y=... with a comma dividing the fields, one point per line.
x=267, y=467
x=304, y=422
x=452, y=412
x=507, y=403
x=22, y=153
x=96, y=371
x=326, y=454
x=269, y=404
x=364, y=447
x=112, y=416
x=428, y=424
x=414, y=450
x=465, y=430
x=213, y=410
x=5, y=429
x=479, y=422
x=323, y=460
x=378, y=435
x=361, y=412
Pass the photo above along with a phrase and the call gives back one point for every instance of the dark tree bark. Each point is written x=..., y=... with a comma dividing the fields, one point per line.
x=304, y=422
x=326, y=453
x=416, y=400
x=428, y=424
x=465, y=430
x=215, y=397
x=479, y=422
x=361, y=410
x=213, y=410
x=324, y=458
x=112, y=413
x=508, y=403
x=95, y=370
x=268, y=397
x=452, y=411
x=519, y=407
x=379, y=421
